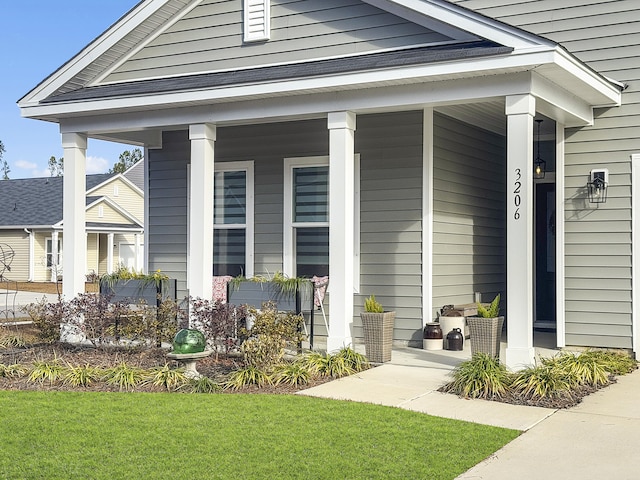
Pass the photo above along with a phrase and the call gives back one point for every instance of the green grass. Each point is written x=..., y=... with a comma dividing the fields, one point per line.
x=72, y=435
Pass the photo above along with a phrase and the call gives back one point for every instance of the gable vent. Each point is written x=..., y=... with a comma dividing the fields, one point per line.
x=256, y=20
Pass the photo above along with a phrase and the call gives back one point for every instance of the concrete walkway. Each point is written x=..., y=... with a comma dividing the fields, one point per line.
x=597, y=439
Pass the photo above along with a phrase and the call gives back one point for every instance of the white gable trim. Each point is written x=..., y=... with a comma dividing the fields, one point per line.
x=448, y=14
x=128, y=23
x=115, y=206
x=118, y=176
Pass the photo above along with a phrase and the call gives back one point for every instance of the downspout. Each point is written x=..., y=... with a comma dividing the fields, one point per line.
x=31, y=247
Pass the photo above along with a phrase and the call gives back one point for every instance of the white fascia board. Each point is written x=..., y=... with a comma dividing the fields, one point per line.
x=604, y=86
x=314, y=105
x=600, y=91
x=417, y=73
x=463, y=19
x=129, y=22
x=29, y=227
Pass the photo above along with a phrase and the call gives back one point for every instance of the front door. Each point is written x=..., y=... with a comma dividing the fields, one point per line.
x=545, y=256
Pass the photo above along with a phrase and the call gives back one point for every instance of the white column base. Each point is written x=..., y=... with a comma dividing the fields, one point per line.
x=519, y=358
x=335, y=343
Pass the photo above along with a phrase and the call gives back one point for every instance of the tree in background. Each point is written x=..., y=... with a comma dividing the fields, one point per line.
x=4, y=166
x=127, y=159
x=56, y=166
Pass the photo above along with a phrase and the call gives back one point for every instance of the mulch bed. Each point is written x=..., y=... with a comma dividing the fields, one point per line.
x=217, y=369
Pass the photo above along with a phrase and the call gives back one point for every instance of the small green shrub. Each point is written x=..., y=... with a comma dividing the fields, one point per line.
x=124, y=376
x=581, y=369
x=47, y=317
x=371, y=305
x=46, y=371
x=296, y=373
x=481, y=377
x=81, y=375
x=493, y=311
x=270, y=334
x=200, y=385
x=169, y=378
x=616, y=363
x=250, y=375
x=11, y=341
x=354, y=360
x=13, y=371
x=328, y=365
x=543, y=381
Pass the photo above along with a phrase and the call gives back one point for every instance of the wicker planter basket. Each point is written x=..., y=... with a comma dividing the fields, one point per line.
x=485, y=335
x=378, y=335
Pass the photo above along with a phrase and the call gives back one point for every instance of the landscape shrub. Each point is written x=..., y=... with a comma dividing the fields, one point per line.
x=221, y=323
x=48, y=317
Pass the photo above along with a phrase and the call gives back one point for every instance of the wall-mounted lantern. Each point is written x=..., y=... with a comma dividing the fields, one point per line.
x=598, y=185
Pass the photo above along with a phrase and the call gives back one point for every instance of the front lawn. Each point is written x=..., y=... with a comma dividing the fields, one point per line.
x=92, y=435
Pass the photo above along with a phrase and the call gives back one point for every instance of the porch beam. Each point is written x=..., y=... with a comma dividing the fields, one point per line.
x=342, y=127
x=74, y=248
x=520, y=110
x=200, y=260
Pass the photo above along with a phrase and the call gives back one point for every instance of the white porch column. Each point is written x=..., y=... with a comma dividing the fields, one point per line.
x=137, y=261
x=110, y=253
x=520, y=110
x=55, y=267
x=200, y=263
x=342, y=127
x=74, y=249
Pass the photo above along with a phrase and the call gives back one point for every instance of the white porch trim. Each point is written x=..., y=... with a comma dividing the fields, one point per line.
x=520, y=110
x=635, y=253
x=110, y=238
x=341, y=127
x=74, y=249
x=560, y=260
x=200, y=261
x=427, y=216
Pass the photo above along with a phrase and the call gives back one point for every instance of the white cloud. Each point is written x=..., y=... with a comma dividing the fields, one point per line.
x=97, y=165
x=32, y=168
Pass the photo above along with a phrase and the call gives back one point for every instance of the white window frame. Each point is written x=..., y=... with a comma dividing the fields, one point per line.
x=248, y=226
x=288, y=244
x=48, y=252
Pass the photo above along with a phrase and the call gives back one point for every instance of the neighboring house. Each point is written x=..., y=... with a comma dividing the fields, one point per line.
x=31, y=224
x=388, y=143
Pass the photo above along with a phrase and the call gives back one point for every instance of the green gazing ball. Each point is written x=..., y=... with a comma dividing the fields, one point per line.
x=189, y=340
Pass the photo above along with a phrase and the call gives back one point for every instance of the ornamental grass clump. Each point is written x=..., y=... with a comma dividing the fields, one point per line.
x=481, y=377
x=543, y=381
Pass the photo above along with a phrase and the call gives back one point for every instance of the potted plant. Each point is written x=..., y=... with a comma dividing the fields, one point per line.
x=377, y=326
x=485, y=329
x=131, y=286
x=288, y=293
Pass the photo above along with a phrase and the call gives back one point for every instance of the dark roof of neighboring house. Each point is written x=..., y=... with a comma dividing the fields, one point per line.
x=370, y=61
x=36, y=201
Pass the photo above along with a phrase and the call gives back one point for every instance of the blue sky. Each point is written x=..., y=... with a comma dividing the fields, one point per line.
x=37, y=37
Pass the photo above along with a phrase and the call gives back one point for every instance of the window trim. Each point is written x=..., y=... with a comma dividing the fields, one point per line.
x=48, y=241
x=248, y=168
x=288, y=241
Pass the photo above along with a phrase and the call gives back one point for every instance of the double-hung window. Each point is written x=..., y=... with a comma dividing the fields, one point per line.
x=233, y=219
x=49, y=253
x=306, y=216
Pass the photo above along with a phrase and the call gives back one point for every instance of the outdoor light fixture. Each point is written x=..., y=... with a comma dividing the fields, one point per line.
x=539, y=165
x=597, y=185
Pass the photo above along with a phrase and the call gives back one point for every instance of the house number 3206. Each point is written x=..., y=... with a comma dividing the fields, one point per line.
x=516, y=194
